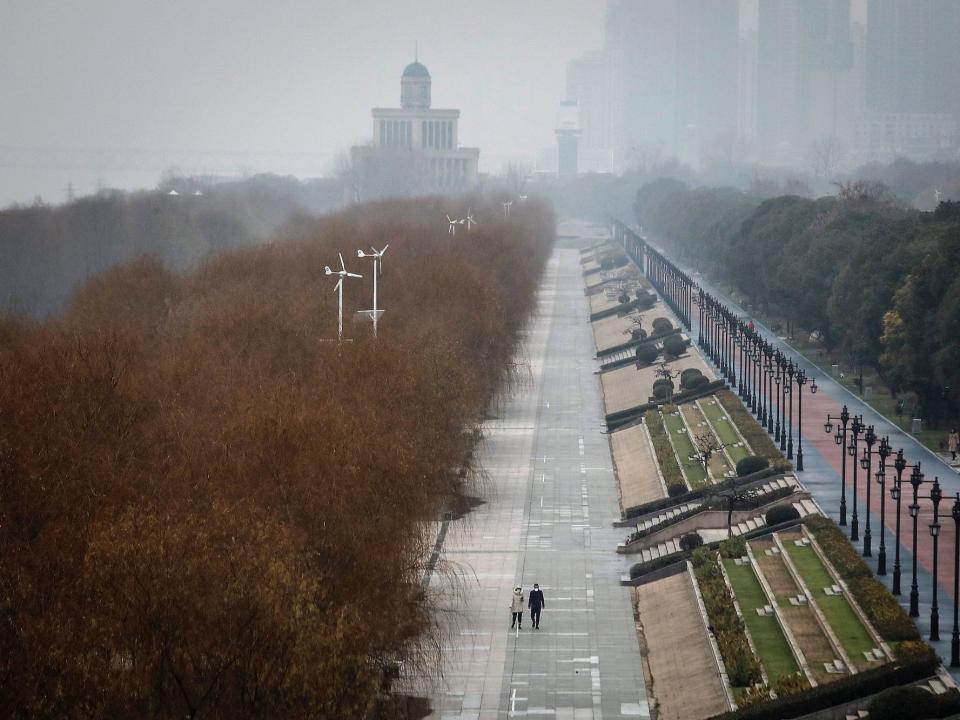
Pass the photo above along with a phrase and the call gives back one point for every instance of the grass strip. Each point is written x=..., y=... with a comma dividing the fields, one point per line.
x=726, y=433
x=768, y=638
x=684, y=446
x=846, y=625
x=756, y=436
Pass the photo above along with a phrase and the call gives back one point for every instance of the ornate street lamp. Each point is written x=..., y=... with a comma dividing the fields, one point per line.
x=801, y=381
x=955, y=640
x=870, y=437
x=896, y=492
x=935, y=496
x=770, y=374
x=883, y=452
x=856, y=428
x=916, y=480
x=840, y=439
x=778, y=378
x=791, y=369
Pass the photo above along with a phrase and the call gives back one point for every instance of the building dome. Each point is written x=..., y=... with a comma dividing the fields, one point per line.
x=415, y=87
x=416, y=69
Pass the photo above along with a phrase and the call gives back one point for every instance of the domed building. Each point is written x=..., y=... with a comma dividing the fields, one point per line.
x=419, y=138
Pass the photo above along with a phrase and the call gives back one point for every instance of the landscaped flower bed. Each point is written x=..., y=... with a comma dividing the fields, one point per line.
x=664, y=452
x=755, y=435
x=884, y=612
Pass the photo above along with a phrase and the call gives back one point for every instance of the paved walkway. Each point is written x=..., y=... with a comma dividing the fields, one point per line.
x=552, y=500
x=636, y=466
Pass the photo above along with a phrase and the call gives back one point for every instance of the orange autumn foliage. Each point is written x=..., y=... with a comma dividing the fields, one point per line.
x=207, y=511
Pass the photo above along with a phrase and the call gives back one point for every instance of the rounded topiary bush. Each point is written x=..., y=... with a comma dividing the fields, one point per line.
x=687, y=375
x=662, y=325
x=637, y=333
x=647, y=353
x=674, y=345
x=691, y=541
x=662, y=382
x=781, y=514
x=908, y=701
x=751, y=464
x=676, y=490
x=698, y=382
x=624, y=298
x=662, y=392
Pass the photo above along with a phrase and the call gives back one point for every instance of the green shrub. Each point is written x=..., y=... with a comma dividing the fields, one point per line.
x=751, y=464
x=662, y=382
x=792, y=684
x=733, y=547
x=782, y=465
x=687, y=375
x=674, y=345
x=637, y=333
x=690, y=541
x=781, y=513
x=697, y=382
x=677, y=489
x=662, y=325
x=624, y=298
x=662, y=392
x=647, y=353
x=742, y=666
x=912, y=701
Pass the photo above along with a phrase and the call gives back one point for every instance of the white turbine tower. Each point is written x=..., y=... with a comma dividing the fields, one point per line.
x=469, y=220
x=506, y=208
x=342, y=273
x=377, y=256
x=452, y=227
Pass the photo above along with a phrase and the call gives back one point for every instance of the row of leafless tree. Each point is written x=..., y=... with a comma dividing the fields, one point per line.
x=206, y=510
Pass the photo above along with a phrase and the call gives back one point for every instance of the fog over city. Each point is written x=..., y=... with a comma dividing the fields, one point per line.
x=241, y=83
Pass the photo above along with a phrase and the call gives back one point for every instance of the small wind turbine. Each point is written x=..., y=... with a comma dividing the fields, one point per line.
x=469, y=220
x=452, y=228
x=506, y=208
x=377, y=256
x=342, y=273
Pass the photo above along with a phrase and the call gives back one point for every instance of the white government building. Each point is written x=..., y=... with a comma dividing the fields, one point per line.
x=429, y=134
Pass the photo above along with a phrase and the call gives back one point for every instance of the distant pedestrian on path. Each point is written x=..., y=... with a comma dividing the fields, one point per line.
x=516, y=608
x=536, y=604
x=953, y=443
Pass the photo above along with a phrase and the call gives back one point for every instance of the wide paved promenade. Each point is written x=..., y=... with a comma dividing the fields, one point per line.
x=551, y=499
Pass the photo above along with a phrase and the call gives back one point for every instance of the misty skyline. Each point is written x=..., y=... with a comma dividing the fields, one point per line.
x=289, y=77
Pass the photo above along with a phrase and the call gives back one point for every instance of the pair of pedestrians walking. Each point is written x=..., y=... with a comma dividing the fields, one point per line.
x=536, y=603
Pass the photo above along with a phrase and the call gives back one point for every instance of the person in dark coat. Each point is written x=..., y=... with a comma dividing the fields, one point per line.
x=536, y=603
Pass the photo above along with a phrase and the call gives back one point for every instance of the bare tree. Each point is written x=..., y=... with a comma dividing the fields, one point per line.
x=735, y=496
x=707, y=445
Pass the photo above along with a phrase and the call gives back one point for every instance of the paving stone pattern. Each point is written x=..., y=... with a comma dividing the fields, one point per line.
x=552, y=500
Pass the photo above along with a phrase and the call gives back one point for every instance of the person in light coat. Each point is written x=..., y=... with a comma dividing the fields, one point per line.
x=516, y=608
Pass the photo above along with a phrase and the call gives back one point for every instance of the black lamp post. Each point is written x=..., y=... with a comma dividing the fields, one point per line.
x=855, y=429
x=916, y=480
x=790, y=373
x=769, y=370
x=869, y=438
x=896, y=492
x=801, y=381
x=761, y=382
x=955, y=640
x=935, y=496
x=883, y=452
x=840, y=439
x=778, y=378
x=740, y=335
x=785, y=383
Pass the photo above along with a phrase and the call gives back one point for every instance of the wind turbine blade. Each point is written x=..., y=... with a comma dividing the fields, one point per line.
x=341, y=261
x=384, y=248
x=350, y=274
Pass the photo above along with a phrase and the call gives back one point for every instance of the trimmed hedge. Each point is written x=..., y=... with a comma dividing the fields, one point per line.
x=662, y=325
x=691, y=541
x=662, y=392
x=913, y=701
x=662, y=382
x=882, y=608
x=674, y=345
x=844, y=690
x=742, y=666
x=781, y=513
x=751, y=464
x=666, y=458
x=756, y=436
x=647, y=353
x=697, y=382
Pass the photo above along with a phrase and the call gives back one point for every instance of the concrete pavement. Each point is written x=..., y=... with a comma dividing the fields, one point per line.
x=551, y=502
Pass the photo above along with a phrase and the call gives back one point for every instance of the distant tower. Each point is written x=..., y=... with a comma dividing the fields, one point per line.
x=415, y=87
x=568, y=137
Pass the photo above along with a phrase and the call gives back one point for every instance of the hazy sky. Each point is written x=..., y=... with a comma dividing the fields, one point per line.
x=281, y=76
